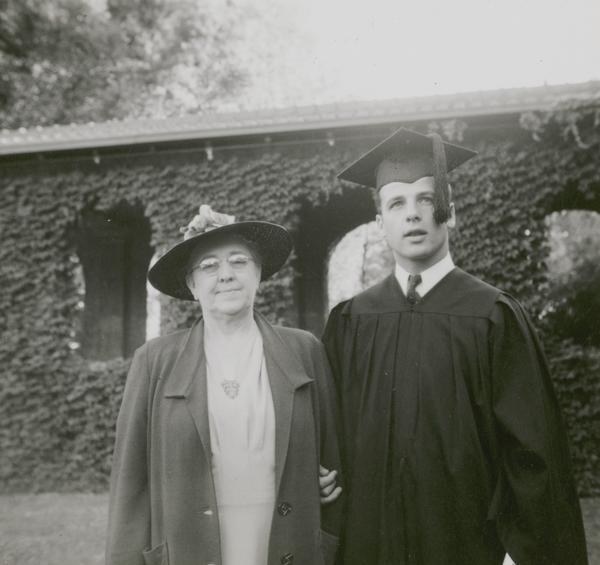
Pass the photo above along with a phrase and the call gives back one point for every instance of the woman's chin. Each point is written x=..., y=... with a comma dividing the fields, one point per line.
x=232, y=307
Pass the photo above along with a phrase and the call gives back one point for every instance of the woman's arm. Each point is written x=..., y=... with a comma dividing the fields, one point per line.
x=129, y=505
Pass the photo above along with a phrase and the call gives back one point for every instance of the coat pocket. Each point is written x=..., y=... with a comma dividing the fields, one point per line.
x=158, y=555
x=329, y=546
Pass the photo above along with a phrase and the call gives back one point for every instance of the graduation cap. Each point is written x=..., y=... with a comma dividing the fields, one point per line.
x=407, y=156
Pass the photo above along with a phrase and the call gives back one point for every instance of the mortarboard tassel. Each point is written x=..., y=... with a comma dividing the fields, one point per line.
x=441, y=201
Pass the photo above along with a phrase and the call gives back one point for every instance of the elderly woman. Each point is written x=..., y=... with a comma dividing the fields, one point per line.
x=223, y=426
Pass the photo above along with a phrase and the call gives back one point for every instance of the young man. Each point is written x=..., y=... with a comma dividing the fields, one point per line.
x=453, y=443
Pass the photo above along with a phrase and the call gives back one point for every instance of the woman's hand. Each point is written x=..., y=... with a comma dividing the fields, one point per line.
x=329, y=492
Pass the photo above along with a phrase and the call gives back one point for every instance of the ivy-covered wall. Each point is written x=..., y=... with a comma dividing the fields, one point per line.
x=58, y=410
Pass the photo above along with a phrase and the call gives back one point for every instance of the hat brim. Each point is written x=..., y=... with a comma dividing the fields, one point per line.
x=403, y=141
x=273, y=242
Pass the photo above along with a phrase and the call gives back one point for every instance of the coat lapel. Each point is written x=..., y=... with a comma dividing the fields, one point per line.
x=188, y=381
x=286, y=374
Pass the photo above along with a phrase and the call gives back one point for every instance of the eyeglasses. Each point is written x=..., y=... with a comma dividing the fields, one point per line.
x=211, y=265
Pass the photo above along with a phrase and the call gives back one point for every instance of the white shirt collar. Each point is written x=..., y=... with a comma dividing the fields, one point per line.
x=429, y=277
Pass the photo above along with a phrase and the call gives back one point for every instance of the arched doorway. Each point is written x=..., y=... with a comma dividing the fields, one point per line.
x=359, y=260
x=114, y=250
x=320, y=227
x=574, y=273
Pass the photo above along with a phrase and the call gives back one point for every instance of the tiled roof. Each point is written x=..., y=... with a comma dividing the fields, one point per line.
x=296, y=119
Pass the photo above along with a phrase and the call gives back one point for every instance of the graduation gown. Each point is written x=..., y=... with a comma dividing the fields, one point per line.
x=454, y=448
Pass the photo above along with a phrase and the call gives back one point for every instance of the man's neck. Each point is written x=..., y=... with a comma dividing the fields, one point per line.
x=416, y=267
x=430, y=277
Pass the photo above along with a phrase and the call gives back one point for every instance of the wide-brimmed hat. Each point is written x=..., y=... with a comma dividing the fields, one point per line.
x=272, y=241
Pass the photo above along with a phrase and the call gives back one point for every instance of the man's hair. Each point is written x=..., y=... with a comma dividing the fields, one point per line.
x=377, y=197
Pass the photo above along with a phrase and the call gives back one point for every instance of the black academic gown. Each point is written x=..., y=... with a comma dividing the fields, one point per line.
x=454, y=448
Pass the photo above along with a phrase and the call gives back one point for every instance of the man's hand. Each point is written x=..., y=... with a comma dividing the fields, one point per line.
x=329, y=492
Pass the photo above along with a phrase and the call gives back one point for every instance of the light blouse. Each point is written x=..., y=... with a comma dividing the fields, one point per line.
x=242, y=435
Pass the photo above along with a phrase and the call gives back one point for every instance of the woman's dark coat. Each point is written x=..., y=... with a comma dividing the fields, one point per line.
x=163, y=508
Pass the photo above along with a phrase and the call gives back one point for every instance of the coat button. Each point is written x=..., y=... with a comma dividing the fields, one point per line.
x=284, y=508
x=287, y=559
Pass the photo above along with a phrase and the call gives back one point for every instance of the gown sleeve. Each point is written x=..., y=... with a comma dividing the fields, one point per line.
x=337, y=340
x=128, y=532
x=334, y=341
x=535, y=505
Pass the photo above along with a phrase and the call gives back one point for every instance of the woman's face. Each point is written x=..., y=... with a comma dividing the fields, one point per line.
x=224, y=278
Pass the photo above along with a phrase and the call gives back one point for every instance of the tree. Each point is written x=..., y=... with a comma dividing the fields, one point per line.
x=65, y=61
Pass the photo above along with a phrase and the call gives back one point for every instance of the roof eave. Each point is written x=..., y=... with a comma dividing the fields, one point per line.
x=261, y=129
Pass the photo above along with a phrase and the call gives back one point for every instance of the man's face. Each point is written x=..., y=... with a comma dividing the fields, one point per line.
x=406, y=218
x=224, y=278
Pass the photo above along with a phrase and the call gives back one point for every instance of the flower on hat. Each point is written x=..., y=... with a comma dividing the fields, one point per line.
x=205, y=220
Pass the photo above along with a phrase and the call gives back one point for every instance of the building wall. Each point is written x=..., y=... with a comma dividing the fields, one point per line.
x=59, y=406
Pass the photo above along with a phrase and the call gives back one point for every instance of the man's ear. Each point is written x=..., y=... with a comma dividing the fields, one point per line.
x=379, y=221
x=452, y=218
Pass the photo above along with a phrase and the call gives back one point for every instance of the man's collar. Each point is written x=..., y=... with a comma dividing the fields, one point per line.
x=429, y=277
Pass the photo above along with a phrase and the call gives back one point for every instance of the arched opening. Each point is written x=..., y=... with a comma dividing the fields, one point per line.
x=114, y=250
x=359, y=260
x=574, y=271
x=320, y=227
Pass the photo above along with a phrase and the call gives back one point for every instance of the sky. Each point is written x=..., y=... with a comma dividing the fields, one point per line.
x=335, y=50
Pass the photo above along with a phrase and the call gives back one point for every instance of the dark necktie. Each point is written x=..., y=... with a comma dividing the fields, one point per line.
x=411, y=294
